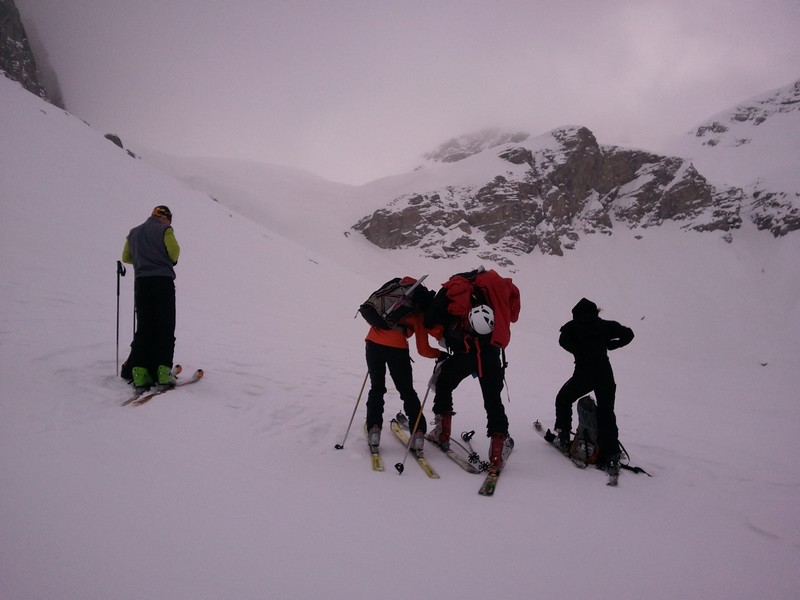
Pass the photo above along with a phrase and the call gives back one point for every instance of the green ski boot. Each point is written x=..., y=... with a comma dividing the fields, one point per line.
x=141, y=379
x=166, y=378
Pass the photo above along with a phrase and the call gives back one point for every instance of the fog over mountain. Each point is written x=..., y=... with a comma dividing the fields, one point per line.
x=355, y=91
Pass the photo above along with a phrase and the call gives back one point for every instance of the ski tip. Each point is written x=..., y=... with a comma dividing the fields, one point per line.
x=177, y=369
x=199, y=373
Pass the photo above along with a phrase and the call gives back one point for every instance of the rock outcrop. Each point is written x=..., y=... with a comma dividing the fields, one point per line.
x=16, y=58
x=562, y=186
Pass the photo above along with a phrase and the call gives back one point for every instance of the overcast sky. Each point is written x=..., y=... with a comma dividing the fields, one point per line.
x=355, y=90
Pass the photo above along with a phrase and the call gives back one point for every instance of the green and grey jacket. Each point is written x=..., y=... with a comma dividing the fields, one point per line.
x=152, y=249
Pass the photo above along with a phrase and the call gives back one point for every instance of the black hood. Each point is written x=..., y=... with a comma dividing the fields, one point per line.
x=585, y=308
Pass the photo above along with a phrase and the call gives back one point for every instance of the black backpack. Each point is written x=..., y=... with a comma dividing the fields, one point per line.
x=394, y=300
x=584, y=447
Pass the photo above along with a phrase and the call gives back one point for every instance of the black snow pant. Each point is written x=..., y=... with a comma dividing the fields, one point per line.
x=398, y=360
x=154, y=341
x=599, y=378
x=458, y=367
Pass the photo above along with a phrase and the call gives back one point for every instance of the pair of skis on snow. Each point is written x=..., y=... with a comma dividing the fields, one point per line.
x=143, y=397
x=549, y=437
x=401, y=432
x=400, y=427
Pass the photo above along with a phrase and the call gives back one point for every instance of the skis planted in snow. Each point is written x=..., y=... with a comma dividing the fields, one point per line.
x=549, y=437
x=449, y=452
x=176, y=370
x=493, y=473
x=490, y=482
x=377, y=462
x=140, y=399
x=403, y=435
x=456, y=458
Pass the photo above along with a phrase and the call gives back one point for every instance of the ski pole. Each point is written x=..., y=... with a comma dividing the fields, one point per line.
x=402, y=465
x=353, y=416
x=505, y=382
x=473, y=456
x=402, y=298
x=120, y=273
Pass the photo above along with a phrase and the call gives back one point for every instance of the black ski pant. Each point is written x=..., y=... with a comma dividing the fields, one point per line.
x=599, y=378
x=154, y=340
x=458, y=367
x=398, y=361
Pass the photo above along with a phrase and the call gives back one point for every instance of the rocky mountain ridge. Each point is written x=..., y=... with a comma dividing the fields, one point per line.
x=16, y=57
x=464, y=146
x=551, y=190
x=783, y=101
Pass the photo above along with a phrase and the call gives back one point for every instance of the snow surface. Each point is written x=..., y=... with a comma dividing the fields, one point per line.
x=232, y=488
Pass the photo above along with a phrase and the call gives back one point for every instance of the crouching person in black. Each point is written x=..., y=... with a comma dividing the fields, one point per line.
x=589, y=338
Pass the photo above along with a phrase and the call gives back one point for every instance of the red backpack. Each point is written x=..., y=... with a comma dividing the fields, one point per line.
x=466, y=290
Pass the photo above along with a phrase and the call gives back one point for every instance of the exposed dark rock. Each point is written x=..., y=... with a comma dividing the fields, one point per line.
x=113, y=137
x=555, y=195
x=16, y=58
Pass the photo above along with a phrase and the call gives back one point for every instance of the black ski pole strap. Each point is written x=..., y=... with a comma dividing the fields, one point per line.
x=636, y=470
x=628, y=467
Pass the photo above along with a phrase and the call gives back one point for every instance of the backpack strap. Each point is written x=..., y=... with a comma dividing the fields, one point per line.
x=636, y=470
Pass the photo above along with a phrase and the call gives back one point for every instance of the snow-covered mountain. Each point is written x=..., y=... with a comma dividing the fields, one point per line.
x=754, y=146
x=754, y=140
x=461, y=147
x=232, y=488
x=545, y=193
x=502, y=195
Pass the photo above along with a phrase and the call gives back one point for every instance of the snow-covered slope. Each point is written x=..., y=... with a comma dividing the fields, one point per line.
x=755, y=143
x=232, y=488
x=270, y=194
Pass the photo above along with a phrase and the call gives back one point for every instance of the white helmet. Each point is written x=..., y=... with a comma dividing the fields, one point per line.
x=481, y=319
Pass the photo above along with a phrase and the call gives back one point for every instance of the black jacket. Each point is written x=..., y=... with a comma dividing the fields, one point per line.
x=588, y=337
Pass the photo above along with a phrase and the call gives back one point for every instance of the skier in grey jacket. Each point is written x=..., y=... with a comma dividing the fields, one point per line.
x=153, y=250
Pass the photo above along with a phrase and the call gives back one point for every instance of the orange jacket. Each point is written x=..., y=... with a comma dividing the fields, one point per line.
x=408, y=326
